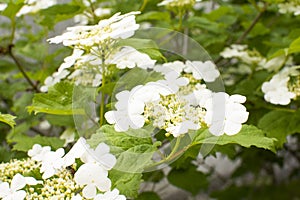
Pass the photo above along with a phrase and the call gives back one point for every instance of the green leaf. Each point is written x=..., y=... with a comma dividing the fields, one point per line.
x=279, y=124
x=57, y=101
x=248, y=136
x=120, y=141
x=8, y=119
x=203, y=23
x=188, y=179
x=127, y=183
x=11, y=10
x=136, y=158
x=154, y=15
x=24, y=142
x=295, y=46
x=54, y=14
x=148, y=196
x=138, y=43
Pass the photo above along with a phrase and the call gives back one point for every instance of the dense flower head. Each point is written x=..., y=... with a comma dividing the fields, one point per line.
x=179, y=103
x=116, y=27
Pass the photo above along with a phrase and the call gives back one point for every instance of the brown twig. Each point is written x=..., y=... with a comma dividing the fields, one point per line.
x=10, y=53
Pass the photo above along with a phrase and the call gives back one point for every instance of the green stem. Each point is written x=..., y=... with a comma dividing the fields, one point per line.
x=13, y=30
x=174, y=153
x=143, y=5
x=102, y=104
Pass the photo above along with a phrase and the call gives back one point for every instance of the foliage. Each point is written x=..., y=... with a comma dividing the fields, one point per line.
x=55, y=94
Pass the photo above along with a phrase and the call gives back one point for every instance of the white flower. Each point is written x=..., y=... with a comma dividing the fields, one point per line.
x=32, y=6
x=276, y=90
x=52, y=162
x=128, y=113
x=234, y=50
x=182, y=128
x=38, y=152
x=93, y=177
x=82, y=150
x=100, y=156
x=202, y=70
x=3, y=6
x=77, y=151
x=14, y=192
x=165, y=68
x=129, y=57
x=225, y=114
x=172, y=83
x=110, y=195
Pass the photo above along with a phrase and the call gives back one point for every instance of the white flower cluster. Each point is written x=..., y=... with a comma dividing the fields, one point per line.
x=253, y=57
x=179, y=103
x=277, y=90
x=91, y=176
x=291, y=6
x=93, y=49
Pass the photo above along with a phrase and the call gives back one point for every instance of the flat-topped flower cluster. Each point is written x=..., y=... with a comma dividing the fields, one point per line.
x=57, y=181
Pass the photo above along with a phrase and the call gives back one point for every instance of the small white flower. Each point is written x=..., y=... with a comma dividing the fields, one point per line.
x=100, y=156
x=92, y=176
x=129, y=57
x=77, y=151
x=276, y=90
x=14, y=192
x=225, y=114
x=165, y=68
x=202, y=70
x=172, y=83
x=38, y=152
x=182, y=128
x=52, y=162
x=3, y=6
x=110, y=195
x=128, y=113
x=82, y=150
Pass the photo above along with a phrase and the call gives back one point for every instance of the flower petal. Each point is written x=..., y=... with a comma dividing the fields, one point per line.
x=89, y=191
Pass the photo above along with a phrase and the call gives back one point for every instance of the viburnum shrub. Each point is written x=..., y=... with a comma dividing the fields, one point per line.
x=124, y=99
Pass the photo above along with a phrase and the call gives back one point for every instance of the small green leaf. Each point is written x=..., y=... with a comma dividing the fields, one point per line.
x=119, y=141
x=8, y=119
x=127, y=183
x=11, y=10
x=57, y=101
x=279, y=124
x=24, y=142
x=248, y=136
x=188, y=179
